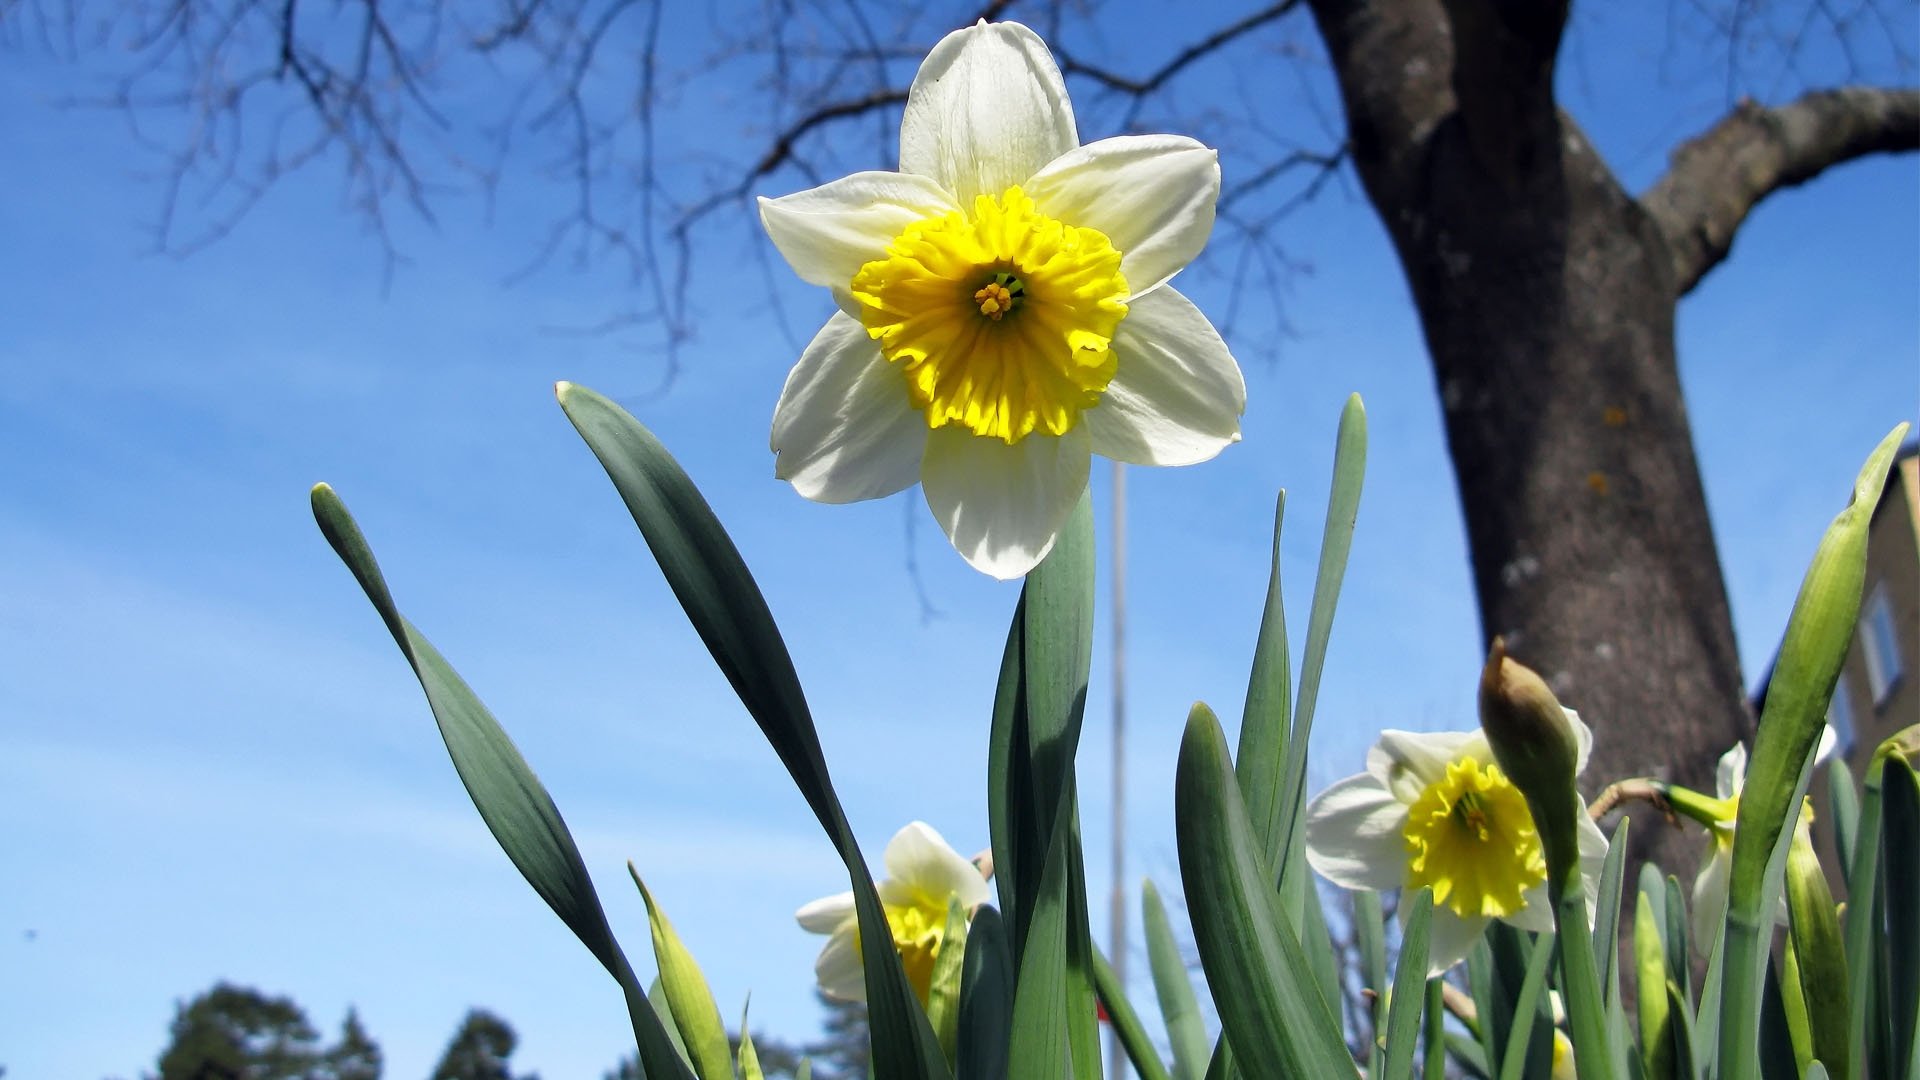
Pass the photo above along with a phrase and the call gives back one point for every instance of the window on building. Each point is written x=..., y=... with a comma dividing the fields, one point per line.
x=1881, y=646
x=1840, y=716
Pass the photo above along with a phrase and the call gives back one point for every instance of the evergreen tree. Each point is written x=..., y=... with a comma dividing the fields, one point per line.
x=846, y=1051
x=479, y=1050
x=356, y=1056
x=237, y=1033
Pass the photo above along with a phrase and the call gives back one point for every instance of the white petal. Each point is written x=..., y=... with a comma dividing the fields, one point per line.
x=1153, y=195
x=827, y=233
x=919, y=858
x=1356, y=835
x=1829, y=742
x=1407, y=761
x=1003, y=506
x=844, y=429
x=1710, y=896
x=825, y=915
x=1582, y=738
x=1731, y=772
x=1176, y=395
x=1593, y=860
x=986, y=111
x=1451, y=939
x=1537, y=915
x=838, y=969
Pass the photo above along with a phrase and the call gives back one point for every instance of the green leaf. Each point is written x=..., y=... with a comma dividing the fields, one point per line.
x=1679, y=928
x=749, y=1057
x=688, y=997
x=1653, y=1004
x=1126, y=1023
x=657, y=999
x=1864, y=959
x=1038, y=1045
x=1409, y=989
x=1843, y=803
x=1440, y=1043
x=721, y=600
x=1819, y=632
x=1900, y=837
x=1251, y=957
x=1083, y=1004
x=1369, y=934
x=1038, y=706
x=1179, y=1008
x=943, y=992
x=510, y=798
x=1037, y=716
x=1520, y=1046
x=1261, y=762
x=1343, y=509
x=986, y=999
x=1606, y=922
x=1820, y=954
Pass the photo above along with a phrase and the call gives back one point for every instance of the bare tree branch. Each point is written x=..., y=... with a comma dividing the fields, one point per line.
x=1716, y=179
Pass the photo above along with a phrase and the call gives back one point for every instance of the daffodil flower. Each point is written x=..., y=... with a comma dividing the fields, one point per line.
x=1004, y=308
x=923, y=875
x=1436, y=810
x=1718, y=815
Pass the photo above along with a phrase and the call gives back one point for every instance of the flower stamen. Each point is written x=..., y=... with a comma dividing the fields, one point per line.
x=999, y=296
x=938, y=302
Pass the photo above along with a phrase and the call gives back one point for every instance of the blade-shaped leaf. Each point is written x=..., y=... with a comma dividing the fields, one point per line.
x=722, y=601
x=510, y=798
x=1336, y=542
x=1126, y=1023
x=695, y=1014
x=1409, y=990
x=943, y=990
x=1521, y=1049
x=986, y=999
x=1270, y=1014
x=1261, y=762
x=1179, y=1008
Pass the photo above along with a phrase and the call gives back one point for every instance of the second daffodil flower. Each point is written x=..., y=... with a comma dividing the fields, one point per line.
x=1004, y=308
x=923, y=875
x=1436, y=809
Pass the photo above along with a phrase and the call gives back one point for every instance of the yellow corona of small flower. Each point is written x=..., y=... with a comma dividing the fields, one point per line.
x=923, y=875
x=1435, y=810
x=1004, y=308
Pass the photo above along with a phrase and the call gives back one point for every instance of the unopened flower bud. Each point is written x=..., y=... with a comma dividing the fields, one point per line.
x=1536, y=747
x=1526, y=726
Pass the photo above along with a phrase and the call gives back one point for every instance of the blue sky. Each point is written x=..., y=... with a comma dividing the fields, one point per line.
x=214, y=765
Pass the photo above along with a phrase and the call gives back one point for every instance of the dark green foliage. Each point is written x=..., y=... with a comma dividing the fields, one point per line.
x=237, y=1033
x=844, y=1053
x=480, y=1050
x=355, y=1057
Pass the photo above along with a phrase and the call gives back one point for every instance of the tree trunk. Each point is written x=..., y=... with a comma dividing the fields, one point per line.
x=1547, y=296
x=1549, y=315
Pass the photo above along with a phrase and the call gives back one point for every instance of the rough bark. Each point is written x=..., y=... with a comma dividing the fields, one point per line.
x=1547, y=297
x=1717, y=178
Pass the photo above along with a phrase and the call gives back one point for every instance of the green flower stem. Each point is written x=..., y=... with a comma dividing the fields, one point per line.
x=1579, y=977
x=1704, y=809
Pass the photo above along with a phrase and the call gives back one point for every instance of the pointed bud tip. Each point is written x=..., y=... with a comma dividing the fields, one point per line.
x=1526, y=724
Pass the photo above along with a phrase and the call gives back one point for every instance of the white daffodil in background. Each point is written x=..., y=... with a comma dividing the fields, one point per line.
x=923, y=874
x=1004, y=308
x=1718, y=815
x=1435, y=809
